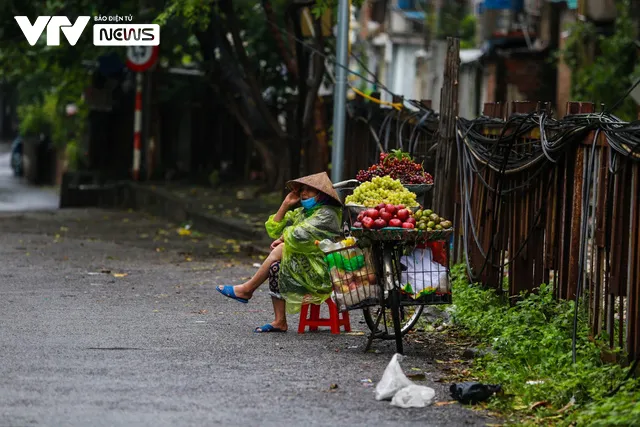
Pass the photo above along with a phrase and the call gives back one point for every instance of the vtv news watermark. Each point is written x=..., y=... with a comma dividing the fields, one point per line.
x=115, y=34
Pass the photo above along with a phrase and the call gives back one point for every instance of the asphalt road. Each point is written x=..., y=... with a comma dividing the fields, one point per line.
x=15, y=194
x=112, y=319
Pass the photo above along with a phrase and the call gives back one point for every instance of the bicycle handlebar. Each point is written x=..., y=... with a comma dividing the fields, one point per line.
x=347, y=183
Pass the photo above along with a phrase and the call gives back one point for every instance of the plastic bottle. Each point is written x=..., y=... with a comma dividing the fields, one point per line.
x=327, y=245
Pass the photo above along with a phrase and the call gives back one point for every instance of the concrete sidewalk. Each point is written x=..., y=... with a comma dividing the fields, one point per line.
x=234, y=211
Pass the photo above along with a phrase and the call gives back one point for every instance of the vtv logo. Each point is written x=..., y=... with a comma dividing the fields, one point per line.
x=53, y=24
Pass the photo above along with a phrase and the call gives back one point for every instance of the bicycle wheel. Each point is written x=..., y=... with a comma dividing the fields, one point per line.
x=402, y=318
x=409, y=316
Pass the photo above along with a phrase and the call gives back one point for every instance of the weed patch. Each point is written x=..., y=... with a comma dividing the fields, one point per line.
x=530, y=355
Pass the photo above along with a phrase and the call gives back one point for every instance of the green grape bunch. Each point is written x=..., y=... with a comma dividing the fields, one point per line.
x=382, y=190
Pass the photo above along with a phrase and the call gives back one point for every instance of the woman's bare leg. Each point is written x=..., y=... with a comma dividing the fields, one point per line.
x=247, y=289
x=279, y=308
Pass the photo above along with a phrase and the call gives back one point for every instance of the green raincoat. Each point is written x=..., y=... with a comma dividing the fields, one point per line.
x=303, y=275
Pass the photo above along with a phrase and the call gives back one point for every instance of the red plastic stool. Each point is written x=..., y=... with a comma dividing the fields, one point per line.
x=334, y=321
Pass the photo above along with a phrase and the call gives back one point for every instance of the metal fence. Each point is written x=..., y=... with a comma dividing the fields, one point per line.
x=557, y=201
x=372, y=130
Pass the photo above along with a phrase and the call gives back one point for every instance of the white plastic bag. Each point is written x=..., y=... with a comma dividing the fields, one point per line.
x=414, y=396
x=423, y=272
x=393, y=380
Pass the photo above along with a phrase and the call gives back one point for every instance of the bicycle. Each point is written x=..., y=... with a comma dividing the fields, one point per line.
x=397, y=312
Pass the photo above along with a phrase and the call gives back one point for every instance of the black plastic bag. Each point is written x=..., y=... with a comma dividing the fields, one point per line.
x=473, y=392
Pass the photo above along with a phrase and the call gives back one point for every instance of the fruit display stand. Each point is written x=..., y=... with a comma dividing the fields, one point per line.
x=412, y=262
x=408, y=246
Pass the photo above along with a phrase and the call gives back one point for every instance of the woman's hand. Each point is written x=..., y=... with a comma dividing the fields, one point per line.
x=277, y=243
x=291, y=200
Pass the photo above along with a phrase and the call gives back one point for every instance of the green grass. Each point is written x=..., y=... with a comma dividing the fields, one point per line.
x=531, y=342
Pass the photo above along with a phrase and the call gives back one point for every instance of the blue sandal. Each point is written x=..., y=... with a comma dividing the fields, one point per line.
x=228, y=291
x=267, y=328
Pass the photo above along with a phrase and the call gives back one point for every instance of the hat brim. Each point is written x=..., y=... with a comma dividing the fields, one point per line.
x=319, y=181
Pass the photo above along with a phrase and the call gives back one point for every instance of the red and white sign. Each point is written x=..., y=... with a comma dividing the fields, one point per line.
x=141, y=58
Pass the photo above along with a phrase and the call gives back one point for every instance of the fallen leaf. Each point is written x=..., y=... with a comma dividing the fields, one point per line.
x=417, y=377
x=160, y=249
x=200, y=312
x=440, y=361
x=355, y=333
x=144, y=236
x=64, y=229
x=184, y=232
x=451, y=402
x=156, y=311
x=566, y=407
x=120, y=274
x=125, y=220
x=105, y=271
x=539, y=404
x=333, y=386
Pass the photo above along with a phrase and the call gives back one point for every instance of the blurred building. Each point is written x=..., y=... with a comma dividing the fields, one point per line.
x=513, y=57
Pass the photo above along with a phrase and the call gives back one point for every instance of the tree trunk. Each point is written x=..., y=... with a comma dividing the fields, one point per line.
x=292, y=67
x=241, y=53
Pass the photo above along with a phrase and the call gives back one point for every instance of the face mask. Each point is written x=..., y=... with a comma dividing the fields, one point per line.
x=308, y=203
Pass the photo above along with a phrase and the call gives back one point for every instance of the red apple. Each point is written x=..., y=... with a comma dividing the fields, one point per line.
x=379, y=223
x=360, y=216
x=411, y=220
x=371, y=213
x=408, y=225
x=395, y=222
x=381, y=206
x=391, y=209
x=400, y=207
x=357, y=224
x=403, y=214
x=367, y=222
x=386, y=216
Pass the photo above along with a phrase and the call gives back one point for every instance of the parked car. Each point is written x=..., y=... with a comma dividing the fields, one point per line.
x=16, y=156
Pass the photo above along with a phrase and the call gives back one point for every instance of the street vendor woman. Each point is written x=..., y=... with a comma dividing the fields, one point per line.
x=295, y=268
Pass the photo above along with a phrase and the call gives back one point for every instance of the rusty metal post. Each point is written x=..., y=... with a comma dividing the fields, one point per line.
x=446, y=156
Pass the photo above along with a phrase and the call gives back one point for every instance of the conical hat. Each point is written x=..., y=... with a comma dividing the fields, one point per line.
x=319, y=181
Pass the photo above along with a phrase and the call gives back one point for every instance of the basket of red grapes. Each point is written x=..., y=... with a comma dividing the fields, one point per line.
x=399, y=165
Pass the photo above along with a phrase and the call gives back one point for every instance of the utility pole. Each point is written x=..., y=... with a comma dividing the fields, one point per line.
x=340, y=92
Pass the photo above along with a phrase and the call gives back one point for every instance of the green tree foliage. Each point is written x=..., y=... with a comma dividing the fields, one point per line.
x=604, y=67
x=248, y=50
x=454, y=20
